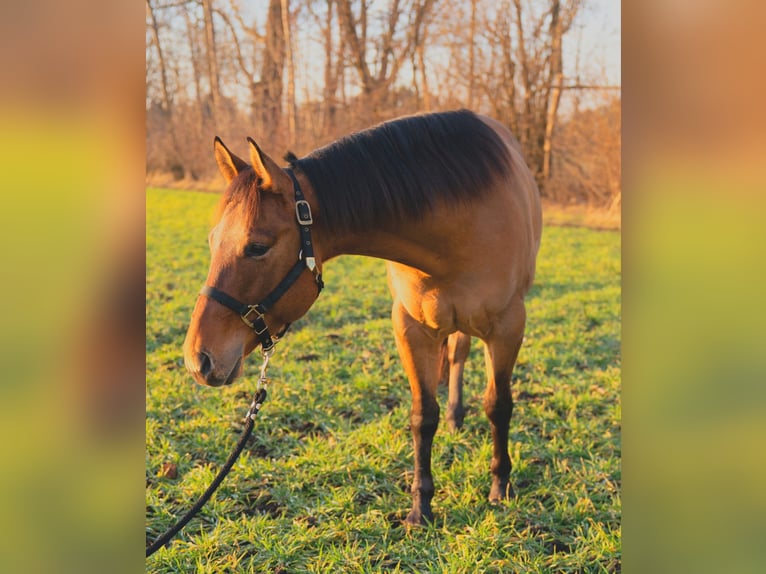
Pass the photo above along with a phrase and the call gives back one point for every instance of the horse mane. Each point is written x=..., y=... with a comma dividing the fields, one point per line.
x=399, y=170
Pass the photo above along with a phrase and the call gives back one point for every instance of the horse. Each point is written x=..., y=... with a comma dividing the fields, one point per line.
x=445, y=198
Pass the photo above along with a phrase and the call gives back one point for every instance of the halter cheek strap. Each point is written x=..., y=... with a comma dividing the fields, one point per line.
x=253, y=315
x=305, y=220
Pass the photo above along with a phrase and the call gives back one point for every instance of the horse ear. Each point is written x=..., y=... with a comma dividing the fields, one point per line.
x=259, y=161
x=229, y=164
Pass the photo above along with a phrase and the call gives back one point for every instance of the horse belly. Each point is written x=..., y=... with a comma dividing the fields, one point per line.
x=464, y=305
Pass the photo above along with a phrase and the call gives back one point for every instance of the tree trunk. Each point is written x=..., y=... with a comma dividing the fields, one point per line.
x=356, y=45
x=472, y=56
x=212, y=59
x=556, y=81
x=419, y=33
x=194, y=52
x=291, y=127
x=330, y=75
x=270, y=85
x=424, y=78
x=166, y=106
x=524, y=134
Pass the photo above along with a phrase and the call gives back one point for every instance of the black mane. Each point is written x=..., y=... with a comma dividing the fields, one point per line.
x=399, y=169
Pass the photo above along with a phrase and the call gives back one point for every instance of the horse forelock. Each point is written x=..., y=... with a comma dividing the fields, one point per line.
x=242, y=191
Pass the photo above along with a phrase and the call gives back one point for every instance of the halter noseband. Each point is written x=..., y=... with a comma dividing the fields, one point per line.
x=253, y=315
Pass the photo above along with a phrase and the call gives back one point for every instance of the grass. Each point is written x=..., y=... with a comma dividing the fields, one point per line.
x=324, y=484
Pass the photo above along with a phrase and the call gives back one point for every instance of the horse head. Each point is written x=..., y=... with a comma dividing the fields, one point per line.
x=254, y=247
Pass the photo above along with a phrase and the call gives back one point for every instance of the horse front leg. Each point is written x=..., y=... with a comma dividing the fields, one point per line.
x=500, y=354
x=419, y=349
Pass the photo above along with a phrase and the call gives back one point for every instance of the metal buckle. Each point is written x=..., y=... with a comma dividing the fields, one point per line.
x=248, y=322
x=303, y=218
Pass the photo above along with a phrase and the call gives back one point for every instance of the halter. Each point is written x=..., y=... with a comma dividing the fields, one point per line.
x=253, y=315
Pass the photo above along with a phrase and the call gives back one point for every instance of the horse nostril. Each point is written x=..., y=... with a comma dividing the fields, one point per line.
x=205, y=364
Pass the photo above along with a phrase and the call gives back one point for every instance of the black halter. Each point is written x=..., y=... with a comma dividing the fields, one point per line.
x=252, y=315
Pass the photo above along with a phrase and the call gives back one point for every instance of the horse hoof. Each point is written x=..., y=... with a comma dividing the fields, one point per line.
x=454, y=425
x=501, y=492
x=418, y=519
x=455, y=418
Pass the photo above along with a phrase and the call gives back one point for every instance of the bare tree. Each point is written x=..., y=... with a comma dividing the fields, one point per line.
x=332, y=73
x=472, y=55
x=166, y=102
x=291, y=128
x=194, y=56
x=587, y=157
x=212, y=57
x=392, y=46
x=245, y=69
x=559, y=24
x=419, y=34
x=209, y=70
x=269, y=88
x=525, y=79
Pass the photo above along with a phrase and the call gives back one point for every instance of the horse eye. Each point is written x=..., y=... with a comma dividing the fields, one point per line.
x=256, y=249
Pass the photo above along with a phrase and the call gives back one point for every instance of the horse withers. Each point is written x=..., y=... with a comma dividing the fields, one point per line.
x=445, y=198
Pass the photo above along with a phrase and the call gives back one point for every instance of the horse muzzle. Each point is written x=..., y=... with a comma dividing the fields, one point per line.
x=205, y=371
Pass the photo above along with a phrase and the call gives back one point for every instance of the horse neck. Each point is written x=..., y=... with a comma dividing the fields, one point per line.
x=415, y=245
x=400, y=245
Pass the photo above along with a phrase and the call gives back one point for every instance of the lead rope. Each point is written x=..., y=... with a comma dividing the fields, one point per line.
x=252, y=412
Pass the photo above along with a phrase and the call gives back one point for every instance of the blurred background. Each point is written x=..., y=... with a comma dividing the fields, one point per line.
x=85, y=120
x=71, y=302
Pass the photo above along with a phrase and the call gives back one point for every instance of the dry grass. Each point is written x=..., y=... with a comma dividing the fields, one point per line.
x=581, y=215
x=554, y=213
x=168, y=181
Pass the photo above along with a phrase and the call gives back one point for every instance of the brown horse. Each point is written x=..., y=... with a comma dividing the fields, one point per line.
x=446, y=199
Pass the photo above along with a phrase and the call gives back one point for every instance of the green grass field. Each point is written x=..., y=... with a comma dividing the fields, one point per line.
x=324, y=484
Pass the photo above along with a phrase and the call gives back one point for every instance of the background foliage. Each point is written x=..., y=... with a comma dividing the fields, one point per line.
x=297, y=74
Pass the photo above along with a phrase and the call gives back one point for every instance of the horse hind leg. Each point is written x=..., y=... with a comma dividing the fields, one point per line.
x=444, y=363
x=456, y=350
x=500, y=354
